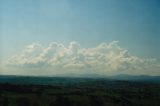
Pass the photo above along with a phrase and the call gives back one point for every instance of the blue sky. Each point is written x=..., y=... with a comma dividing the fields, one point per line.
x=134, y=23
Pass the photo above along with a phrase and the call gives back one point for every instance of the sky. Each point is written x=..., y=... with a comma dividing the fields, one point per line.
x=79, y=36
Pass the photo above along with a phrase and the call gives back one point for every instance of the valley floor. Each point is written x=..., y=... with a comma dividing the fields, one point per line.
x=54, y=95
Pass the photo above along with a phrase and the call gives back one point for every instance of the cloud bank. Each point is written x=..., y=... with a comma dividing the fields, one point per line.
x=104, y=59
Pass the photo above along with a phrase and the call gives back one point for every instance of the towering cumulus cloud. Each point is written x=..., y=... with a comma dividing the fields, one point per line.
x=105, y=58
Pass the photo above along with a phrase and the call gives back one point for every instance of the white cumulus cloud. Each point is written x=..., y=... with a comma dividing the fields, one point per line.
x=103, y=59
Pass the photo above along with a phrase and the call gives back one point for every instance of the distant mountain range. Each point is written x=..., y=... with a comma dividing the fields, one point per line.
x=136, y=78
x=76, y=79
x=125, y=77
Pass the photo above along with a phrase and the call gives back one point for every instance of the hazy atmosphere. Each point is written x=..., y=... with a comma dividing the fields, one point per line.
x=69, y=37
